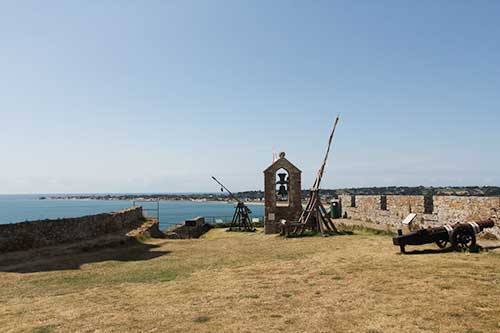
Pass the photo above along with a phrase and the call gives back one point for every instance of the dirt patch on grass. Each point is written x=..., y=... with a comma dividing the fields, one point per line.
x=241, y=282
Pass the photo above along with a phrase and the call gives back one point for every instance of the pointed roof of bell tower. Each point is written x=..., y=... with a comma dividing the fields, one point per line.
x=282, y=162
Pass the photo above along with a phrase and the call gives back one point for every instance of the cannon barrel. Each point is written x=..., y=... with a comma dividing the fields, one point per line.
x=460, y=235
x=482, y=224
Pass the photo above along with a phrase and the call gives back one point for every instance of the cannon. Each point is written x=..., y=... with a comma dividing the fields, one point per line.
x=461, y=236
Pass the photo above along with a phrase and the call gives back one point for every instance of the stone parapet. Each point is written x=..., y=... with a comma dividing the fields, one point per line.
x=34, y=234
x=192, y=228
x=431, y=211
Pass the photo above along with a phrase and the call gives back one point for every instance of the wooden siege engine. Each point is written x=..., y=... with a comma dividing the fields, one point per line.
x=241, y=218
x=314, y=217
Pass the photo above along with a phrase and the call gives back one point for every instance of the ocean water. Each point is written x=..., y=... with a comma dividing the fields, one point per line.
x=19, y=208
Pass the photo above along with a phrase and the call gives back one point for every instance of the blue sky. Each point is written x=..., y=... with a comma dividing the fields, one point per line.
x=157, y=96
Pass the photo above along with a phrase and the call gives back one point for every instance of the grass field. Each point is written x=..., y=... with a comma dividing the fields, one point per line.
x=236, y=282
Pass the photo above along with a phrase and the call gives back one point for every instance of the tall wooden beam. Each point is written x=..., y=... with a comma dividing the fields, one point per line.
x=314, y=216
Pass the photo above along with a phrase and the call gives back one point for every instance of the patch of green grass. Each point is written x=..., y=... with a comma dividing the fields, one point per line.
x=362, y=230
x=333, y=274
x=201, y=319
x=473, y=330
x=307, y=233
x=290, y=256
x=21, y=312
x=495, y=254
x=250, y=296
x=78, y=280
x=141, y=239
x=446, y=287
x=82, y=280
x=150, y=276
x=224, y=225
x=44, y=329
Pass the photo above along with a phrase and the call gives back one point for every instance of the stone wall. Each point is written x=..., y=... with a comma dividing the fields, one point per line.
x=451, y=209
x=431, y=211
x=34, y=234
x=193, y=228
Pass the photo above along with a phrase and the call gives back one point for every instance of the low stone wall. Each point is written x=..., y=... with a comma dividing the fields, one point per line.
x=189, y=229
x=149, y=229
x=431, y=211
x=458, y=209
x=370, y=208
x=34, y=234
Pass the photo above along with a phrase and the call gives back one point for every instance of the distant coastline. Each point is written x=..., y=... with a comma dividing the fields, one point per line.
x=148, y=199
x=24, y=208
x=257, y=197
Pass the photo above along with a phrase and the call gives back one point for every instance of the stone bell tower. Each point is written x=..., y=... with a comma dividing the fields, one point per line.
x=282, y=186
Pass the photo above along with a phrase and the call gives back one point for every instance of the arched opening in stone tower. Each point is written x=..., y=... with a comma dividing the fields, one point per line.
x=282, y=187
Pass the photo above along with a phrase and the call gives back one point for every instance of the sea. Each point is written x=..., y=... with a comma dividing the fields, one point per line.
x=20, y=208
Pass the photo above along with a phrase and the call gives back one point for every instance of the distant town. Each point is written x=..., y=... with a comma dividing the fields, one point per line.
x=258, y=196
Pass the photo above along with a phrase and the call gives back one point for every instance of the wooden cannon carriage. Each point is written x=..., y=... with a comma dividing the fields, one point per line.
x=461, y=236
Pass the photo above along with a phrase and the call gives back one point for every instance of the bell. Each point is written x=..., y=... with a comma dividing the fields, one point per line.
x=282, y=180
x=282, y=192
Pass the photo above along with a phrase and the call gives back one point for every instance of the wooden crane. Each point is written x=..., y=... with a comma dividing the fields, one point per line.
x=314, y=217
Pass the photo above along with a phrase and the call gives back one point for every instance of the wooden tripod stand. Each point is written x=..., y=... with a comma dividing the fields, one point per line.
x=241, y=219
x=314, y=217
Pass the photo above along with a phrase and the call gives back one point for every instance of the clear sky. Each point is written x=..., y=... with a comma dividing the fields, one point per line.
x=157, y=96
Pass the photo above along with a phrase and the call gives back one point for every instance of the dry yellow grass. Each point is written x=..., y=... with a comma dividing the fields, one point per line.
x=236, y=282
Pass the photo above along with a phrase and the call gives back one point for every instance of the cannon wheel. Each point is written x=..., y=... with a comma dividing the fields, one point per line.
x=463, y=239
x=442, y=243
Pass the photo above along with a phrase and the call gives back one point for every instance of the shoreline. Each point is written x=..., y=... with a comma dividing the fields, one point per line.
x=150, y=200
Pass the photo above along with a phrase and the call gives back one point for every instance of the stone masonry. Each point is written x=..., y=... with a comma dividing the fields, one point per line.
x=430, y=210
x=275, y=212
x=34, y=234
x=193, y=228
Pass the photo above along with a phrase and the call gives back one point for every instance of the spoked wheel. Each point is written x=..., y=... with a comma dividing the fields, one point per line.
x=463, y=239
x=442, y=243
